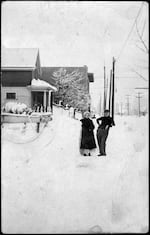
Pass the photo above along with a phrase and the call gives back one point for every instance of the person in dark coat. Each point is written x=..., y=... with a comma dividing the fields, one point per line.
x=104, y=123
x=87, y=135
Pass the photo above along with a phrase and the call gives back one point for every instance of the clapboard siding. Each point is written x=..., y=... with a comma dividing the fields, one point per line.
x=23, y=95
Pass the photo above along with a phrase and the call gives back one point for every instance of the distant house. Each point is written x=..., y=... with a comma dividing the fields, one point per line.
x=91, y=77
x=48, y=75
x=20, y=78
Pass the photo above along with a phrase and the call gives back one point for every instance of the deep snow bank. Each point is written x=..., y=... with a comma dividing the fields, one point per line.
x=130, y=194
x=49, y=188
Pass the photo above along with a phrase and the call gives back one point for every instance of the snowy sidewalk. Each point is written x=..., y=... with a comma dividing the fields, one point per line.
x=49, y=188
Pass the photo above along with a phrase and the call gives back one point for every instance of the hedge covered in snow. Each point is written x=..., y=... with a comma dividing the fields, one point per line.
x=16, y=108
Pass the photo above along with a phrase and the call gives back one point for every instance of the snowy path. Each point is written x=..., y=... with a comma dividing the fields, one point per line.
x=48, y=187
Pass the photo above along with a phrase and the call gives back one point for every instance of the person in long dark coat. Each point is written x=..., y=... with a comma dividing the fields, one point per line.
x=87, y=135
x=104, y=123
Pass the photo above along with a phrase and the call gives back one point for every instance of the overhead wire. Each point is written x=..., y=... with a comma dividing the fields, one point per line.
x=130, y=32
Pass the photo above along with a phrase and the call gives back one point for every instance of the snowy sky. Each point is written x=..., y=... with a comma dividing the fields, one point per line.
x=76, y=33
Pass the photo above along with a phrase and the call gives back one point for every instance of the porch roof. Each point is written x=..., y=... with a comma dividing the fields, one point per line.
x=40, y=85
x=40, y=88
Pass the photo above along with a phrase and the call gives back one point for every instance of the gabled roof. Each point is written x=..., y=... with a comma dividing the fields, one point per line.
x=19, y=57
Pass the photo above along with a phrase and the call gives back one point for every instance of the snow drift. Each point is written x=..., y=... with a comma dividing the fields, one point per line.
x=47, y=187
x=14, y=107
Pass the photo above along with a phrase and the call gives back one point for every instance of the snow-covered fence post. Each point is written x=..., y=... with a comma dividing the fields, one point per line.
x=38, y=127
x=24, y=127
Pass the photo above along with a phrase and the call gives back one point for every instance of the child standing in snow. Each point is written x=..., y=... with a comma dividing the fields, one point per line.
x=103, y=130
x=87, y=135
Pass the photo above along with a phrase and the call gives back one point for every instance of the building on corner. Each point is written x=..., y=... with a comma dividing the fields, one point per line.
x=21, y=76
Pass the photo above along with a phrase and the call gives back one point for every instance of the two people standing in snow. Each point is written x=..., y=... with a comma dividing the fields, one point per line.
x=87, y=133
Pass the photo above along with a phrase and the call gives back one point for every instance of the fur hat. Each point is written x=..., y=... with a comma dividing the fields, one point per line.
x=86, y=114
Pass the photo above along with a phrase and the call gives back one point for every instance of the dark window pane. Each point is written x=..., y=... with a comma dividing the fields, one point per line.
x=10, y=95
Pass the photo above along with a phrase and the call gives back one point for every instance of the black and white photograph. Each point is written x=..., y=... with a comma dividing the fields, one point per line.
x=74, y=117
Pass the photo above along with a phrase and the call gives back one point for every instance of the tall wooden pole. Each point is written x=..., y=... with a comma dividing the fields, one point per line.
x=106, y=94
x=128, y=104
x=104, y=89
x=110, y=92
x=113, y=87
x=121, y=109
x=139, y=104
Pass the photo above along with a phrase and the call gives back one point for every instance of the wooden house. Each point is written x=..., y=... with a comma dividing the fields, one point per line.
x=20, y=70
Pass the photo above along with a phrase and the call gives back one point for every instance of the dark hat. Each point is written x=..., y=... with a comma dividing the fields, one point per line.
x=106, y=111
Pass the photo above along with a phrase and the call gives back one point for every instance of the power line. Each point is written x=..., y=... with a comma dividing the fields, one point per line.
x=122, y=88
x=138, y=74
x=130, y=32
x=144, y=88
x=126, y=77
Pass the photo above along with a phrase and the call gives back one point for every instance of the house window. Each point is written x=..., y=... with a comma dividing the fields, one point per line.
x=11, y=96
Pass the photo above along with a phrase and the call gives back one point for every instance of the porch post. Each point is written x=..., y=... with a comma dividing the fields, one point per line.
x=49, y=100
x=44, y=101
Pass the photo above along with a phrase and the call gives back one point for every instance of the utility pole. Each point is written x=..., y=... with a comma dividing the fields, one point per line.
x=117, y=108
x=100, y=106
x=128, y=104
x=142, y=88
x=139, y=97
x=121, y=108
x=107, y=91
x=113, y=87
x=110, y=92
x=104, y=88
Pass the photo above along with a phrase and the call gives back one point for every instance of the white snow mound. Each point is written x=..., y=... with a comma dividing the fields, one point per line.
x=41, y=83
x=14, y=107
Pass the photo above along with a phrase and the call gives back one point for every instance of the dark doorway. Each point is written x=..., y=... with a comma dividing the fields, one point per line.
x=37, y=98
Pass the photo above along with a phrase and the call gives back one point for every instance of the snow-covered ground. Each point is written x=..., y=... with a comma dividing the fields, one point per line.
x=48, y=187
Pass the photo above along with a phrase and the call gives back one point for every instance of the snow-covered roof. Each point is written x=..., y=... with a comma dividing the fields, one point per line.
x=19, y=57
x=38, y=83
